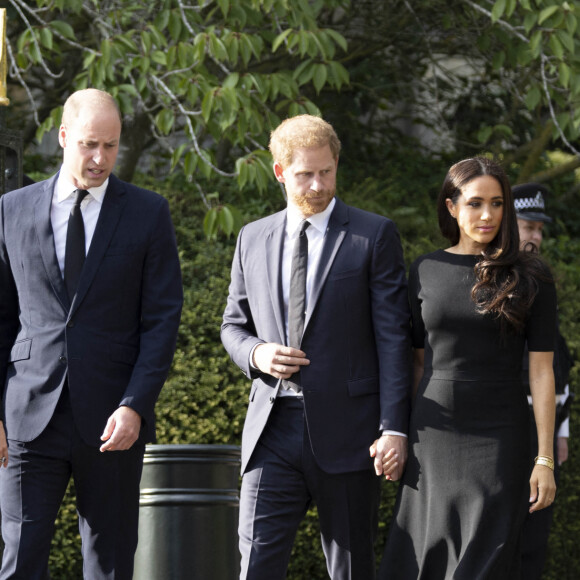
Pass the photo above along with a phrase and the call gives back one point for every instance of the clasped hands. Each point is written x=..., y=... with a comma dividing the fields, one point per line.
x=390, y=454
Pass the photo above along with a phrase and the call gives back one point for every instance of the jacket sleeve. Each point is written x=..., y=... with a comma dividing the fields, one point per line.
x=391, y=320
x=161, y=303
x=8, y=308
x=238, y=332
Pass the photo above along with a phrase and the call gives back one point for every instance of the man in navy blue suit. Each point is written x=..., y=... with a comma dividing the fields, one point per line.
x=90, y=302
x=330, y=375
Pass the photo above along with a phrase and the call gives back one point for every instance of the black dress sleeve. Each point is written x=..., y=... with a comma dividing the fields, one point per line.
x=541, y=325
x=417, y=324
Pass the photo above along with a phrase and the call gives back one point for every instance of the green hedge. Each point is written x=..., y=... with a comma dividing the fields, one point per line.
x=205, y=397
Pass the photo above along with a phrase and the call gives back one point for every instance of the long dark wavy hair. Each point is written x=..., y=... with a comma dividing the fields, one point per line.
x=506, y=278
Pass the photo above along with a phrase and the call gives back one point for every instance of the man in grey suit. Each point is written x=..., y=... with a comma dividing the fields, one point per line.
x=90, y=302
x=317, y=316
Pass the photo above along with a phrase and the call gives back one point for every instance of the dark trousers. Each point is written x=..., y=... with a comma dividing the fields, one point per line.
x=280, y=483
x=32, y=488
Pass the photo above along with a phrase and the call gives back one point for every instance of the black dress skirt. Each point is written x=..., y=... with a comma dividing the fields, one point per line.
x=465, y=491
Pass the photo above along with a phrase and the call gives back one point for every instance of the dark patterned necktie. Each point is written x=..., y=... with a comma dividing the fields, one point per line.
x=297, y=299
x=74, y=254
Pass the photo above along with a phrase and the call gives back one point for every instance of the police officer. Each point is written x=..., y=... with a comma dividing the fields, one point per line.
x=529, y=201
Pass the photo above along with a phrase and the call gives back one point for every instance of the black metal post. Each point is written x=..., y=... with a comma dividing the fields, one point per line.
x=188, y=513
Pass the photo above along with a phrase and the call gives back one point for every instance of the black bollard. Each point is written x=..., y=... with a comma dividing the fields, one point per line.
x=188, y=513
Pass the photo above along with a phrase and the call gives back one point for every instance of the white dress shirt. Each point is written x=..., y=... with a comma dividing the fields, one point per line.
x=62, y=202
x=316, y=234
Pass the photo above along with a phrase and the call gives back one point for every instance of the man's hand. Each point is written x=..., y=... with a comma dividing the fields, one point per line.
x=3, y=447
x=278, y=360
x=562, y=445
x=390, y=453
x=122, y=430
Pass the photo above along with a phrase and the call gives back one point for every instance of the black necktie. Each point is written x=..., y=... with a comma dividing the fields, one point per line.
x=297, y=299
x=74, y=254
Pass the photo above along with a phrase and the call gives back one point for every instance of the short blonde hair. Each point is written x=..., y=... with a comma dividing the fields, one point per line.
x=298, y=132
x=79, y=99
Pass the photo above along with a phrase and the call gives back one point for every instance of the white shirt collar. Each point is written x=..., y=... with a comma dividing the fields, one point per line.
x=65, y=189
x=319, y=220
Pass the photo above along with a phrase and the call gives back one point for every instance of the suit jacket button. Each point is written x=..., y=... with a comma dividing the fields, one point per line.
x=272, y=399
x=62, y=359
x=70, y=324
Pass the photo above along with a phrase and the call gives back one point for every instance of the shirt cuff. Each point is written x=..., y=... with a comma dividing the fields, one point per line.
x=564, y=430
x=252, y=367
x=394, y=433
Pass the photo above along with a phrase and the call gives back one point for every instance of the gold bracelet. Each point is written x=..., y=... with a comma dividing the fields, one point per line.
x=544, y=460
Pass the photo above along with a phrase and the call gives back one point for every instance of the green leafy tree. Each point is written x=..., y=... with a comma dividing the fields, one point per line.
x=203, y=80
x=533, y=66
x=462, y=77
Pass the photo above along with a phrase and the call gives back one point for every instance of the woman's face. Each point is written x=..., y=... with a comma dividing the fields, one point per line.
x=479, y=212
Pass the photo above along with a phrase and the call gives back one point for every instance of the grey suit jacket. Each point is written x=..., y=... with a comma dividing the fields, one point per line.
x=356, y=333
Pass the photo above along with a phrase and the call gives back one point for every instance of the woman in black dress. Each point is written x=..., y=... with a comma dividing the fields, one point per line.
x=466, y=487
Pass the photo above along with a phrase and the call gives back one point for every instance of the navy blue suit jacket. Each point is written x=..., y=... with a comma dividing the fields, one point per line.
x=116, y=341
x=356, y=333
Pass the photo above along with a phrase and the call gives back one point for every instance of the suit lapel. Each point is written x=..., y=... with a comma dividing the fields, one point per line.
x=334, y=237
x=45, y=235
x=274, y=244
x=113, y=205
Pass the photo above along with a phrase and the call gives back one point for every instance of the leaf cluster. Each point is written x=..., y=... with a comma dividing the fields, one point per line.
x=204, y=73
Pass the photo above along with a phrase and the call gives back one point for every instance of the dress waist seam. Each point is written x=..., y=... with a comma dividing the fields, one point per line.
x=456, y=375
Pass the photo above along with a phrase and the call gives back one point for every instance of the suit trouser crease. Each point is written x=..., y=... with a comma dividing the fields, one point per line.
x=279, y=485
x=107, y=493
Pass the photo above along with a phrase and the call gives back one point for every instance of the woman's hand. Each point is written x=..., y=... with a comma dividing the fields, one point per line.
x=542, y=488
